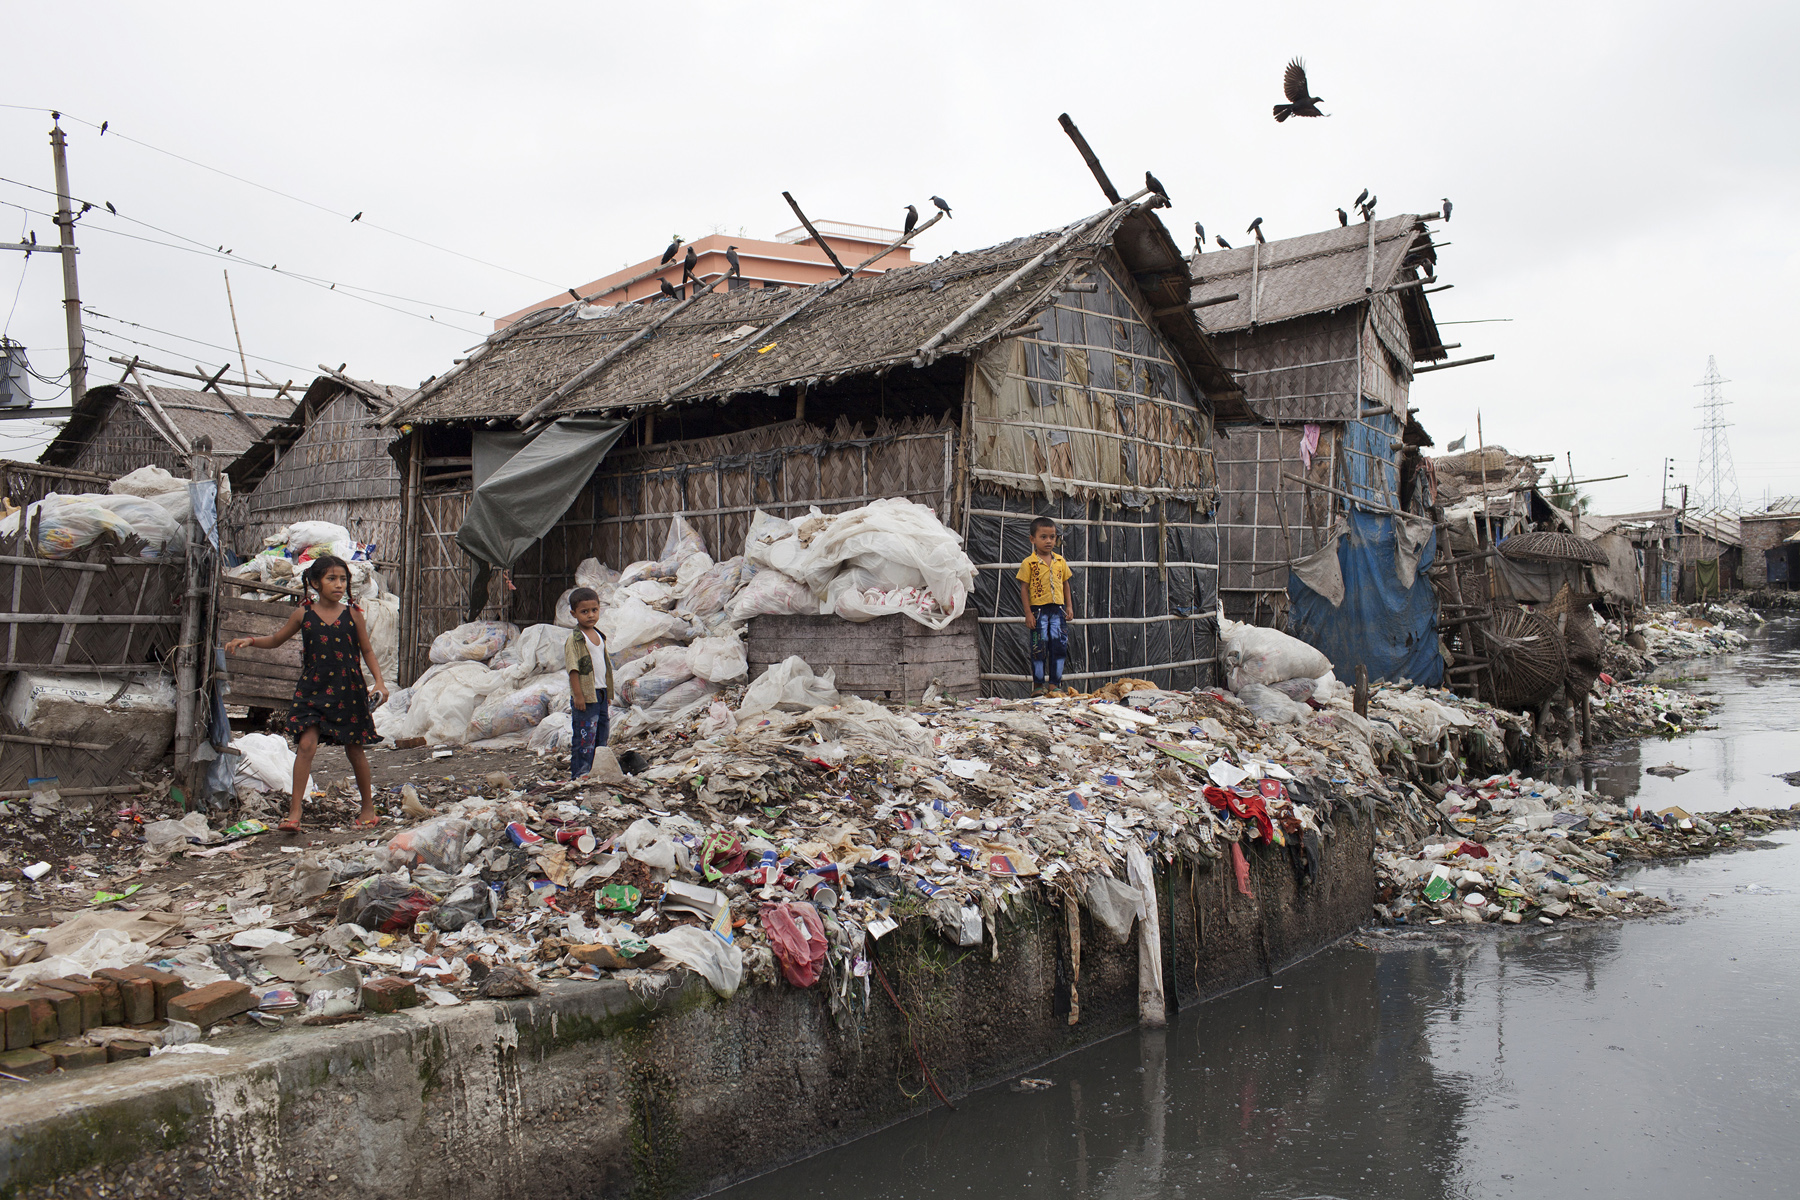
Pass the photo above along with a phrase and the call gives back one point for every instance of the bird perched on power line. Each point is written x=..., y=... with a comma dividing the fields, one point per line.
x=1300, y=102
x=1223, y=244
x=103, y=126
x=687, y=266
x=1446, y=210
x=110, y=208
x=670, y=252
x=943, y=206
x=356, y=218
x=1360, y=197
x=1256, y=228
x=737, y=272
x=1155, y=185
x=912, y=218
x=1343, y=217
x=668, y=291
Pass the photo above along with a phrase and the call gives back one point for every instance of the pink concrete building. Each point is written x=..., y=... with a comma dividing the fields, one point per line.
x=791, y=260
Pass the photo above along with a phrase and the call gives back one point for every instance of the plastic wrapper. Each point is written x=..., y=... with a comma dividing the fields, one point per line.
x=172, y=834
x=690, y=693
x=472, y=903
x=536, y=650
x=509, y=712
x=709, y=591
x=718, y=961
x=384, y=904
x=314, y=539
x=797, y=936
x=773, y=594
x=718, y=659
x=147, y=482
x=1115, y=905
x=682, y=543
x=789, y=684
x=438, y=843
x=667, y=670
x=476, y=641
x=554, y=735
x=1257, y=654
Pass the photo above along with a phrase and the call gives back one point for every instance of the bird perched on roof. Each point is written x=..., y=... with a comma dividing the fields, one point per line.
x=687, y=266
x=1199, y=237
x=737, y=272
x=1446, y=209
x=1360, y=197
x=1223, y=244
x=1256, y=228
x=668, y=291
x=943, y=206
x=912, y=218
x=1368, y=210
x=1300, y=102
x=1343, y=217
x=1155, y=185
x=673, y=247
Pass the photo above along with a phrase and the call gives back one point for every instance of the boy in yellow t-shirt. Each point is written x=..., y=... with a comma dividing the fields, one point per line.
x=1049, y=605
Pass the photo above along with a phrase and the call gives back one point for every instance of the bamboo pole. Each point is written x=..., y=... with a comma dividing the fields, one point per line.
x=128, y=363
x=1093, y=161
x=243, y=362
x=187, y=651
x=168, y=428
x=1461, y=362
x=212, y=385
x=819, y=241
x=1193, y=304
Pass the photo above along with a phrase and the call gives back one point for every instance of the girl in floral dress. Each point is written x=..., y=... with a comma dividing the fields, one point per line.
x=331, y=703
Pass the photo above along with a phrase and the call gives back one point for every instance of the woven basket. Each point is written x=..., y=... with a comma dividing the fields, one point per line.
x=1530, y=663
x=1553, y=547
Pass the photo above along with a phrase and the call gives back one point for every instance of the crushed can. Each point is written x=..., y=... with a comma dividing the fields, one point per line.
x=522, y=836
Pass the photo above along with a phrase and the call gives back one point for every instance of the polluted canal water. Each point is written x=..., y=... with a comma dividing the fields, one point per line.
x=1644, y=1059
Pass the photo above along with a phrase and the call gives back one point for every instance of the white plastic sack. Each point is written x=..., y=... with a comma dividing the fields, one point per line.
x=1272, y=706
x=304, y=536
x=708, y=592
x=632, y=622
x=772, y=594
x=147, y=482
x=476, y=641
x=718, y=659
x=381, y=616
x=772, y=541
x=536, y=650
x=266, y=762
x=592, y=573
x=172, y=834
x=1257, y=654
x=555, y=735
x=442, y=704
x=681, y=544
x=1114, y=904
x=789, y=684
x=718, y=961
x=565, y=617
x=895, y=533
x=509, y=712
x=692, y=568
x=680, y=700
x=668, y=669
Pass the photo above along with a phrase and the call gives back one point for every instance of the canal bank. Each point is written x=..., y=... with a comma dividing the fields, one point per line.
x=594, y=1089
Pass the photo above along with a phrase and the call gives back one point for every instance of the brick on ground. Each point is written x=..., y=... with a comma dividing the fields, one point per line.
x=389, y=995
x=213, y=1003
x=44, y=1024
x=93, y=1003
x=15, y=1022
x=167, y=985
x=138, y=996
x=112, y=1001
x=69, y=1055
x=26, y=1062
x=67, y=1009
x=124, y=1049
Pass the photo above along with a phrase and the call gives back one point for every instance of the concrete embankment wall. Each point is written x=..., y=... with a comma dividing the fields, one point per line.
x=593, y=1091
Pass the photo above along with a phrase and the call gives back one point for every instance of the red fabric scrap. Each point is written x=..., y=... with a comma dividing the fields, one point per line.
x=797, y=936
x=1249, y=808
x=1240, y=866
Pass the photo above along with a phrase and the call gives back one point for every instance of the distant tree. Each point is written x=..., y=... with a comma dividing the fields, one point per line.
x=1565, y=495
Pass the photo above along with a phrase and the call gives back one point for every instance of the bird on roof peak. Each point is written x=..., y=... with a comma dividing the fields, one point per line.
x=1223, y=244
x=668, y=291
x=1199, y=238
x=673, y=247
x=1343, y=217
x=737, y=272
x=1300, y=102
x=687, y=265
x=1155, y=185
x=1256, y=228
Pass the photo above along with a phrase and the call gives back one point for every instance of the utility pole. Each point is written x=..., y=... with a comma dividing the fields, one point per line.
x=65, y=223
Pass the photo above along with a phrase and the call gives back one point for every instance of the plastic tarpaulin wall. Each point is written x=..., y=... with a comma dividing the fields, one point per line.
x=1160, y=606
x=1389, y=629
x=515, y=505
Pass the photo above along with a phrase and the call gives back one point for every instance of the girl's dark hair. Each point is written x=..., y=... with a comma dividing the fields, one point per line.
x=582, y=596
x=314, y=574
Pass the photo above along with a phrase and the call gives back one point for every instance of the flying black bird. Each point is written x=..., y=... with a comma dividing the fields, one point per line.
x=356, y=218
x=1300, y=103
x=1343, y=217
x=1223, y=244
x=1256, y=228
x=687, y=266
x=731, y=257
x=943, y=205
x=673, y=247
x=1155, y=185
x=1446, y=209
x=668, y=291
x=1360, y=197
x=912, y=218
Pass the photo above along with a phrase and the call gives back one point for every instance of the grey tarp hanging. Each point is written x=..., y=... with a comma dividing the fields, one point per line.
x=521, y=500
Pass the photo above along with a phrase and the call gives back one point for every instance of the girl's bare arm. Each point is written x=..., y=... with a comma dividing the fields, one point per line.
x=269, y=641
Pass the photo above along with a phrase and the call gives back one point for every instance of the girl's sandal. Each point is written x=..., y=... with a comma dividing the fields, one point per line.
x=289, y=826
x=369, y=823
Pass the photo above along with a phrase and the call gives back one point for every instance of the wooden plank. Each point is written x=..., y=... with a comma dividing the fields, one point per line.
x=88, y=619
x=242, y=664
x=268, y=608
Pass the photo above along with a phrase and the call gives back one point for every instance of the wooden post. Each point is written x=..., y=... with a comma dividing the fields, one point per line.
x=212, y=385
x=187, y=651
x=1093, y=160
x=243, y=362
x=409, y=559
x=168, y=428
x=1361, y=699
x=817, y=240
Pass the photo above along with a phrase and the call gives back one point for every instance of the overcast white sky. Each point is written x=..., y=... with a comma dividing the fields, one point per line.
x=1625, y=175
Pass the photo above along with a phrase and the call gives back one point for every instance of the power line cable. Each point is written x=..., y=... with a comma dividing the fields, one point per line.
x=185, y=338
x=357, y=217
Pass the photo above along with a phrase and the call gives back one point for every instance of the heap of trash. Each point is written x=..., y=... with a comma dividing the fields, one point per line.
x=675, y=625
x=149, y=504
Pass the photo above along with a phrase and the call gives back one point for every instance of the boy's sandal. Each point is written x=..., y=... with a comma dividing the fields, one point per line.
x=366, y=823
x=289, y=826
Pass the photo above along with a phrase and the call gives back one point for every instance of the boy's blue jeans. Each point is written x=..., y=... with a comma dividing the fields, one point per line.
x=592, y=728
x=1049, y=644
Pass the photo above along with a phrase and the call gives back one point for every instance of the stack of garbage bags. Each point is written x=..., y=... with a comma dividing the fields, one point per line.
x=149, y=503
x=675, y=625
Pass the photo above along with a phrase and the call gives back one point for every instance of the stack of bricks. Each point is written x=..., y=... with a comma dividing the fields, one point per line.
x=40, y=1025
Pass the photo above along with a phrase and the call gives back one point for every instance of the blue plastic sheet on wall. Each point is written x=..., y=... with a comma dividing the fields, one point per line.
x=1390, y=630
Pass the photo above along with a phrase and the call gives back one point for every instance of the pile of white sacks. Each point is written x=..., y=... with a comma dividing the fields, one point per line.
x=675, y=625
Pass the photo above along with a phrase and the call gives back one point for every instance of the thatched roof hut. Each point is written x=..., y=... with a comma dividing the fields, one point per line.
x=1059, y=373
x=120, y=427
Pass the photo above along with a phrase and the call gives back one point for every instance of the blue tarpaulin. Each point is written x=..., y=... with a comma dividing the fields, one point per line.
x=1390, y=630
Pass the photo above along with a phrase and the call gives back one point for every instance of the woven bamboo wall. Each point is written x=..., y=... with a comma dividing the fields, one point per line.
x=718, y=484
x=1299, y=370
x=27, y=483
x=1255, y=545
x=338, y=470
x=124, y=442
